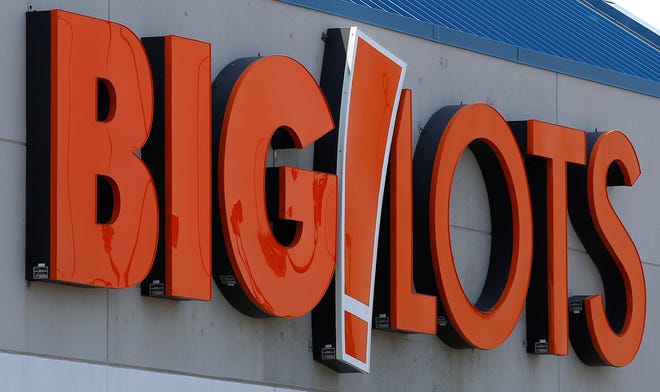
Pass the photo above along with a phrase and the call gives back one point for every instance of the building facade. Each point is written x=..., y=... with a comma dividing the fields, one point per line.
x=70, y=338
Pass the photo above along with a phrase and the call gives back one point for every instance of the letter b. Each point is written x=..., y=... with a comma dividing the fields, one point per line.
x=92, y=212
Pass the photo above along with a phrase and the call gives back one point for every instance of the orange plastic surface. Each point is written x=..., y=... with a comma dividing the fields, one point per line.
x=356, y=330
x=616, y=349
x=119, y=253
x=285, y=281
x=410, y=311
x=559, y=145
x=485, y=330
x=373, y=94
x=188, y=168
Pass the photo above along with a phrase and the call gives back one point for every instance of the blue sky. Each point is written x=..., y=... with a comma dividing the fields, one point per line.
x=646, y=10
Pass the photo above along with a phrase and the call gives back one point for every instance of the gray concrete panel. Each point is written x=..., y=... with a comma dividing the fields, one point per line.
x=234, y=28
x=471, y=251
x=507, y=367
x=12, y=77
x=403, y=362
x=41, y=318
x=27, y=373
x=212, y=339
x=469, y=206
x=209, y=335
x=94, y=8
x=287, y=355
x=583, y=276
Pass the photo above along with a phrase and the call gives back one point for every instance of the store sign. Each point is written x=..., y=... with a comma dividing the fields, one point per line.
x=139, y=171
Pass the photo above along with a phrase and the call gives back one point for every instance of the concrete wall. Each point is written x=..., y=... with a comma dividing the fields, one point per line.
x=72, y=338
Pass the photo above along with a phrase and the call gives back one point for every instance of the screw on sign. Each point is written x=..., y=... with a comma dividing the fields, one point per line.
x=200, y=202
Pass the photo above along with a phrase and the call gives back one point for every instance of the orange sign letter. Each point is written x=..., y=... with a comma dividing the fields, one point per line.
x=262, y=95
x=397, y=306
x=607, y=334
x=548, y=149
x=448, y=133
x=99, y=202
x=178, y=153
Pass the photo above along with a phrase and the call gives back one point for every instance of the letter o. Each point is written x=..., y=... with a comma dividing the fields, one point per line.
x=491, y=320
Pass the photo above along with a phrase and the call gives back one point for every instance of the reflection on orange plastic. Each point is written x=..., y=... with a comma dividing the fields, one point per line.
x=374, y=92
x=120, y=252
x=559, y=145
x=284, y=281
x=615, y=349
x=485, y=330
x=410, y=311
x=356, y=329
x=188, y=168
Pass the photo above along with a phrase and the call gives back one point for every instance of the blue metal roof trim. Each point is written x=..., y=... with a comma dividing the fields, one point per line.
x=449, y=36
x=567, y=28
x=588, y=72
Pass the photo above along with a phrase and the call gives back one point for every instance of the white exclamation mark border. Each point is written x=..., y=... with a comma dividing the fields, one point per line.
x=345, y=303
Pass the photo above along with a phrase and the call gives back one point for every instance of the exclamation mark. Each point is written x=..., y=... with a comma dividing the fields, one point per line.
x=371, y=80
